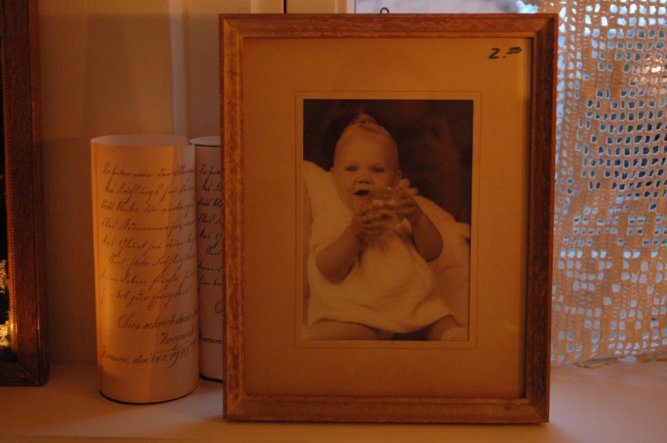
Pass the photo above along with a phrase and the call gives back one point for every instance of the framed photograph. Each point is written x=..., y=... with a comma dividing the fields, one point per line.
x=387, y=219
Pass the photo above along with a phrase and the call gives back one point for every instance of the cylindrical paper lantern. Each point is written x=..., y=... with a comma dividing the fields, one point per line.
x=145, y=241
x=209, y=255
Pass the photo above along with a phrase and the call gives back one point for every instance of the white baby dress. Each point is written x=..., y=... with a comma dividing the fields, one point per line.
x=390, y=287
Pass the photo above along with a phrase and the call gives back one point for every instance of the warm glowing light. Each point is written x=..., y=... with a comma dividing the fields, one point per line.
x=4, y=335
x=4, y=283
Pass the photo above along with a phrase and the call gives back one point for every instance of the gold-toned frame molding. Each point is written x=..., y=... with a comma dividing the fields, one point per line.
x=25, y=361
x=530, y=407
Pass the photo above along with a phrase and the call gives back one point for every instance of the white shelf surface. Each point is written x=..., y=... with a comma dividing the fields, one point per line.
x=624, y=402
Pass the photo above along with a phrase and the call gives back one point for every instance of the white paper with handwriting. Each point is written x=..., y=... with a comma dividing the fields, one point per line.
x=145, y=241
x=209, y=255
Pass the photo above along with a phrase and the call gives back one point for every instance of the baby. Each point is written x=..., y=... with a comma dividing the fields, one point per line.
x=370, y=247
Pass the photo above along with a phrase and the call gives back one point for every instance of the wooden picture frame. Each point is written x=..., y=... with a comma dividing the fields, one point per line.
x=275, y=71
x=25, y=361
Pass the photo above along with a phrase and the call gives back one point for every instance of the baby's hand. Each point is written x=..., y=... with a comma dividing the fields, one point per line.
x=406, y=206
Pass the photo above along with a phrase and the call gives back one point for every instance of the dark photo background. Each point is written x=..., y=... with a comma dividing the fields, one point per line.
x=434, y=140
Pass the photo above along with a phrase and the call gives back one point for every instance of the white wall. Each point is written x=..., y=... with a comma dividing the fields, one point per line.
x=107, y=69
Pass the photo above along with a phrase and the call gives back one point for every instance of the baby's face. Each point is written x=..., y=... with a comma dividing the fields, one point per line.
x=363, y=163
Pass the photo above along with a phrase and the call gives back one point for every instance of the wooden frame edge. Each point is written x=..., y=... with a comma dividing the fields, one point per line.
x=26, y=362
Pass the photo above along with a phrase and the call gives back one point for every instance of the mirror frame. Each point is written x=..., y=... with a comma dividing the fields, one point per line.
x=25, y=362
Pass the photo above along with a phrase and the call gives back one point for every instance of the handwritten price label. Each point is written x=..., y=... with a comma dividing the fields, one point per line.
x=500, y=53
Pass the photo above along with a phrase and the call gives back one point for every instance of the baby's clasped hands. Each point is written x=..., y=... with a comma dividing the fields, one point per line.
x=385, y=208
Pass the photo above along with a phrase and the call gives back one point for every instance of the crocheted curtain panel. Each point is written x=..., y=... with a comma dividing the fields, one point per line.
x=610, y=233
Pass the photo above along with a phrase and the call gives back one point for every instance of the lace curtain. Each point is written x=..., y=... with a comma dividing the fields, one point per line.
x=610, y=237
